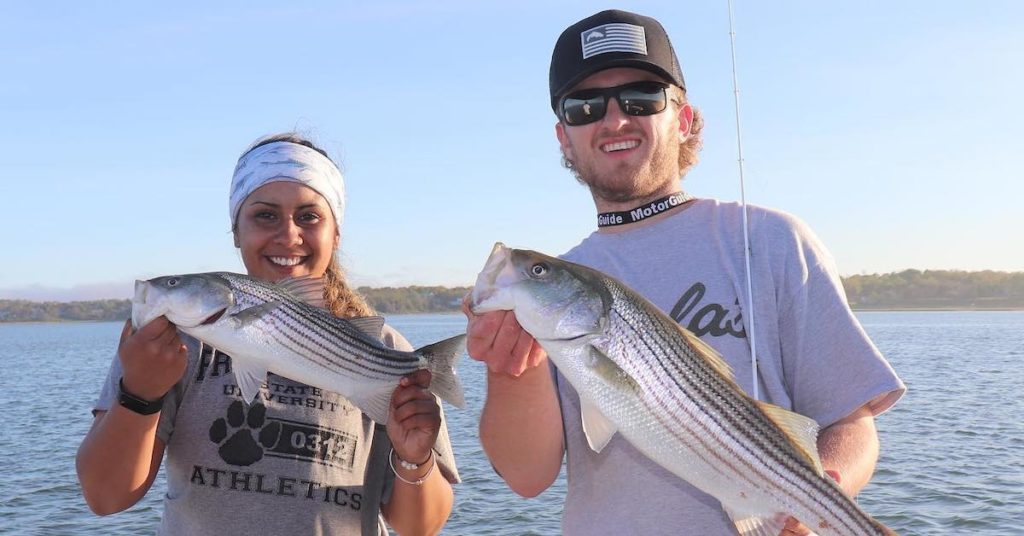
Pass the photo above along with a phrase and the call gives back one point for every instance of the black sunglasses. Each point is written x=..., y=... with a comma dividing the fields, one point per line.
x=636, y=98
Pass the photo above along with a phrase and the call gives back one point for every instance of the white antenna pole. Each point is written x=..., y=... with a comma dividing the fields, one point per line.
x=748, y=319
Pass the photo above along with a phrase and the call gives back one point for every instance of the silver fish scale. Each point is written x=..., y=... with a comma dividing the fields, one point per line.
x=706, y=427
x=314, y=332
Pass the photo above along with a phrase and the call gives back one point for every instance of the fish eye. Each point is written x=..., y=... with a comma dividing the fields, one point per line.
x=539, y=269
x=172, y=282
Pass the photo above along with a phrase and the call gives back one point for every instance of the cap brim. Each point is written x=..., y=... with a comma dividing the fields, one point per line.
x=610, y=64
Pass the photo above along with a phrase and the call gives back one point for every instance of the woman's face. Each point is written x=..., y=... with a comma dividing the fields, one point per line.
x=286, y=229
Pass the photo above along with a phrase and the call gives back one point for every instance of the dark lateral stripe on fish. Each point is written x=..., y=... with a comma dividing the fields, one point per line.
x=293, y=335
x=330, y=342
x=366, y=351
x=301, y=336
x=287, y=339
x=754, y=467
x=296, y=314
x=667, y=407
x=373, y=356
x=740, y=421
x=798, y=475
x=291, y=323
x=331, y=326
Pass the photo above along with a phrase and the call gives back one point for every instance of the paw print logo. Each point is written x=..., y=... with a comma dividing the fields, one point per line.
x=244, y=427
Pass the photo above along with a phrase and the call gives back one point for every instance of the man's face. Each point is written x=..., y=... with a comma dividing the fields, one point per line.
x=623, y=157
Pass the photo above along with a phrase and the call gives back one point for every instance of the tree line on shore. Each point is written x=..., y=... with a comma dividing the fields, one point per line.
x=908, y=289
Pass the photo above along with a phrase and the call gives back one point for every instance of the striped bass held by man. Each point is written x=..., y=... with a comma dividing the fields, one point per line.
x=670, y=395
x=279, y=328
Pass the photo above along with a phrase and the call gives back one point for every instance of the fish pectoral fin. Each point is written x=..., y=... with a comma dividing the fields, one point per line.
x=802, y=432
x=370, y=325
x=249, y=376
x=596, y=427
x=307, y=289
x=610, y=371
x=254, y=313
x=757, y=526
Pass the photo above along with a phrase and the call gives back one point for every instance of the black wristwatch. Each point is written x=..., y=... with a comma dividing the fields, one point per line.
x=136, y=404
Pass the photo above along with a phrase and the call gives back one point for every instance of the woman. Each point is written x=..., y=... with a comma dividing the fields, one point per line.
x=298, y=460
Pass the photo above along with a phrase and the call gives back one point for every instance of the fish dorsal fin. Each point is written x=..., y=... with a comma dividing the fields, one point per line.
x=306, y=288
x=254, y=313
x=801, y=431
x=249, y=376
x=596, y=427
x=370, y=325
x=710, y=354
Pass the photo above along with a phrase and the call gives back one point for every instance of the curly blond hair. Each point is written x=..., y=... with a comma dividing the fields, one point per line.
x=689, y=149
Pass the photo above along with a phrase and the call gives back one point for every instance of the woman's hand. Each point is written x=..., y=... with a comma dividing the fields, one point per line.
x=415, y=418
x=153, y=358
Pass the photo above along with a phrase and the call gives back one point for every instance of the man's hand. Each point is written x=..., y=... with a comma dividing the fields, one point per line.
x=497, y=340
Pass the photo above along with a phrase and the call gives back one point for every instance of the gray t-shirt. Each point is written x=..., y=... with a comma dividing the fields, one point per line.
x=293, y=462
x=813, y=356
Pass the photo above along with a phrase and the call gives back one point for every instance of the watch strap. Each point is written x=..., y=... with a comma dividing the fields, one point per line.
x=137, y=404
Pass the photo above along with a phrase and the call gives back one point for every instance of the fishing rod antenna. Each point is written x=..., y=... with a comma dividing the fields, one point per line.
x=748, y=318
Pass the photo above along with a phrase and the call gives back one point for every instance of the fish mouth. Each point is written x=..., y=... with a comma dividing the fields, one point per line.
x=487, y=285
x=214, y=317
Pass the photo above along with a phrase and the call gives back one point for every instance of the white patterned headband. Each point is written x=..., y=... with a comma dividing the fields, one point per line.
x=289, y=162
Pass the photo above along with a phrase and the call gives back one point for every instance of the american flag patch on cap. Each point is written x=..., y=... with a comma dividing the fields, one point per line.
x=614, y=37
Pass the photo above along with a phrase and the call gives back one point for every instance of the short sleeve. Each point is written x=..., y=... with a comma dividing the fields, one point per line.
x=830, y=364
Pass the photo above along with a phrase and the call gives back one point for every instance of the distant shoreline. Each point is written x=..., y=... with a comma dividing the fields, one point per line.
x=459, y=312
x=909, y=290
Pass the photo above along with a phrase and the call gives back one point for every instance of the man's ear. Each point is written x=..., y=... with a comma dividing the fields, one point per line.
x=563, y=142
x=685, y=121
x=234, y=234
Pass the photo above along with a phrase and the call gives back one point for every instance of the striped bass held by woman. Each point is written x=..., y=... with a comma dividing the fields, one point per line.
x=670, y=395
x=269, y=327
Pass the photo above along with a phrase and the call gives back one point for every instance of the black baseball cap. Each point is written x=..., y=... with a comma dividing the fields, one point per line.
x=609, y=39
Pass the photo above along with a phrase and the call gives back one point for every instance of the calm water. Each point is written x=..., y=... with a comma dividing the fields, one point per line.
x=952, y=460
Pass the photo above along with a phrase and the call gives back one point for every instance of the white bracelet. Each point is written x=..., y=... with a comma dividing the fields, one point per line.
x=411, y=466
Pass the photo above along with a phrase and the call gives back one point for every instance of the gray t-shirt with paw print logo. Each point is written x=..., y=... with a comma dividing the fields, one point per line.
x=293, y=461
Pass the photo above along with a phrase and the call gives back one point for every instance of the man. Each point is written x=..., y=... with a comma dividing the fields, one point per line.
x=627, y=132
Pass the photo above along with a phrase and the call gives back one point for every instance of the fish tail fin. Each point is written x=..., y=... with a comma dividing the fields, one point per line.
x=753, y=525
x=441, y=357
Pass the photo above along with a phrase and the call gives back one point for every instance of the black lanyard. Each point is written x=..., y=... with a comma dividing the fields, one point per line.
x=609, y=219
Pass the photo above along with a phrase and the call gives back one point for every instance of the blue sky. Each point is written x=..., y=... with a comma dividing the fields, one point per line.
x=893, y=128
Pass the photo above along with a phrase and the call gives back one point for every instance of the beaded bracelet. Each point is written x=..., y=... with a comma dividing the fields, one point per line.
x=410, y=466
